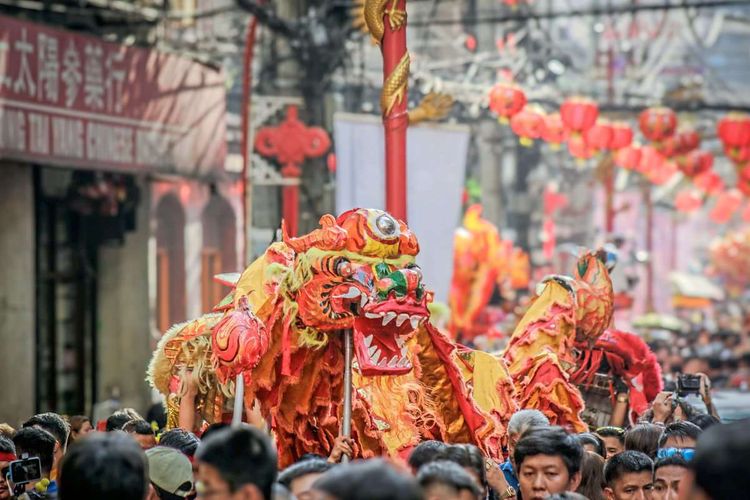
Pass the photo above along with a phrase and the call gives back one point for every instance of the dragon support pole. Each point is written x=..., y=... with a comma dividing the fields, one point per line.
x=386, y=21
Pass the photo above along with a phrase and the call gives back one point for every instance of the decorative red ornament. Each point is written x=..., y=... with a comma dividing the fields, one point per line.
x=506, y=99
x=695, y=163
x=331, y=162
x=668, y=147
x=734, y=130
x=291, y=143
x=662, y=173
x=688, y=201
x=628, y=157
x=578, y=148
x=553, y=130
x=622, y=135
x=687, y=140
x=657, y=123
x=651, y=160
x=726, y=205
x=599, y=136
x=527, y=124
x=471, y=43
x=579, y=114
x=709, y=182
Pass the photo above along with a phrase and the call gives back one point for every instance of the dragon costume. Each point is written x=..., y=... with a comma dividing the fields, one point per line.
x=282, y=327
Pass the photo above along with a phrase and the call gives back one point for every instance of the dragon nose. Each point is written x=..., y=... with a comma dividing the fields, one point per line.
x=402, y=282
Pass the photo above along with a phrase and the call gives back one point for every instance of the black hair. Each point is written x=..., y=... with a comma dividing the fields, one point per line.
x=117, y=420
x=368, y=480
x=448, y=474
x=550, y=441
x=303, y=468
x=180, y=439
x=468, y=456
x=165, y=495
x=425, y=452
x=52, y=423
x=594, y=440
x=138, y=427
x=627, y=462
x=110, y=466
x=720, y=461
x=704, y=420
x=36, y=442
x=644, y=438
x=676, y=459
x=241, y=456
x=610, y=431
x=216, y=426
x=680, y=430
x=592, y=476
x=6, y=445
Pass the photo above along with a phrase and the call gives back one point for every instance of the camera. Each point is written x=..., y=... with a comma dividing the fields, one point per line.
x=688, y=384
x=24, y=471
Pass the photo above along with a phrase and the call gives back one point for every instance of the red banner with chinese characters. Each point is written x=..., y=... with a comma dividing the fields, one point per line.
x=76, y=101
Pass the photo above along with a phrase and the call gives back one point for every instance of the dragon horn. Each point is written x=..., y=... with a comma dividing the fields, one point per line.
x=330, y=236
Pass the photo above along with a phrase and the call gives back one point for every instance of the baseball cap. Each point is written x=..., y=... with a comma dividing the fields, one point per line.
x=170, y=470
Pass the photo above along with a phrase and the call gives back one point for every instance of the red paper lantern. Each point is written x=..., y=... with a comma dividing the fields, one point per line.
x=622, y=135
x=553, y=130
x=668, y=147
x=739, y=156
x=527, y=124
x=734, y=130
x=695, y=163
x=651, y=160
x=628, y=157
x=599, y=136
x=661, y=173
x=578, y=148
x=687, y=140
x=657, y=123
x=727, y=203
x=709, y=182
x=579, y=114
x=506, y=99
x=688, y=200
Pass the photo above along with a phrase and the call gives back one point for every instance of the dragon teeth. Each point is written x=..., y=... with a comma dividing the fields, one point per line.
x=350, y=294
x=403, y=351
x=375, y=357
x=372, y=350
x=362, y=301
x=388, y=318
x=392, y=363
x=368, y=340
x=373, y=315
x=401, y=319
x=382, y=362
x=414, y=320
x=403, y=363
x=401, y=342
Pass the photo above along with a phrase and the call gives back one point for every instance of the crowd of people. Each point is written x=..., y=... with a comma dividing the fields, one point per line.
x=669, y=457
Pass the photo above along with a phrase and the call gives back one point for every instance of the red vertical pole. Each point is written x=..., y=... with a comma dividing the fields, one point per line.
x=290, y=208
x=395, y=116
x=247, y=81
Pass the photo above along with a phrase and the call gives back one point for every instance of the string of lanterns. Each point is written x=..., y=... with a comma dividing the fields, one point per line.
x=671, y=148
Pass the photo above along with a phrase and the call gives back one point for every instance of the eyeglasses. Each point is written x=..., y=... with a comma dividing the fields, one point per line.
x=611, y=428
x=686, y=453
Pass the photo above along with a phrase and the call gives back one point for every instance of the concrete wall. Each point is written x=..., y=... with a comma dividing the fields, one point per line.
x=16, y=293
x=124, y=314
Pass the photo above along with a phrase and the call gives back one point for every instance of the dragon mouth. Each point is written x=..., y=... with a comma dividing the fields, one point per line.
x=380, y=334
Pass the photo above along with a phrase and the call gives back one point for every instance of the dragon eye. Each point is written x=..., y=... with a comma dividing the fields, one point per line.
x=344, y=268
x=386, y=226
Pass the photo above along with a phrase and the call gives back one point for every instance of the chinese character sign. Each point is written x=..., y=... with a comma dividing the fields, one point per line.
x=78, y=101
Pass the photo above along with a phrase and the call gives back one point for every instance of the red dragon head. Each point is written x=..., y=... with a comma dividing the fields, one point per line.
x=358, y=273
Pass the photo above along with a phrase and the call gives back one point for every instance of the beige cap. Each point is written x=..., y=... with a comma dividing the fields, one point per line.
x=170, y=470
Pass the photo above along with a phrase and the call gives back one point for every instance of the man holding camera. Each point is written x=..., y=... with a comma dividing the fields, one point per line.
x=30, y=474
x=666, y=407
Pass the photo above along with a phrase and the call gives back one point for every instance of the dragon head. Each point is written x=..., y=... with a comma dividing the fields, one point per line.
x=358, y=273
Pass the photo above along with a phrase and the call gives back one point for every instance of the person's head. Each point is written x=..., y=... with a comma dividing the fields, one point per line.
x=680, y=435
x=36, y=442
x=299, y=477
x=592, y=442
x=366, y=480
x=117, y=420
x=470, y=458
x=628, y=476
x=236, y=463
x=216, y=426
x=6, y=430
x=592, y=476
x=520, y=422
x=7, y=455
x=704, y=420
x=719, y=468
x=547, y=461
x=141, y=432
x=55, y=425
x=644, y=438
x=668, y=475
x=614, y=439
x=110, y=466
x=424, y=453
x=445, y=480
x=170, y=474
x=180, y=439
x=80, y=425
